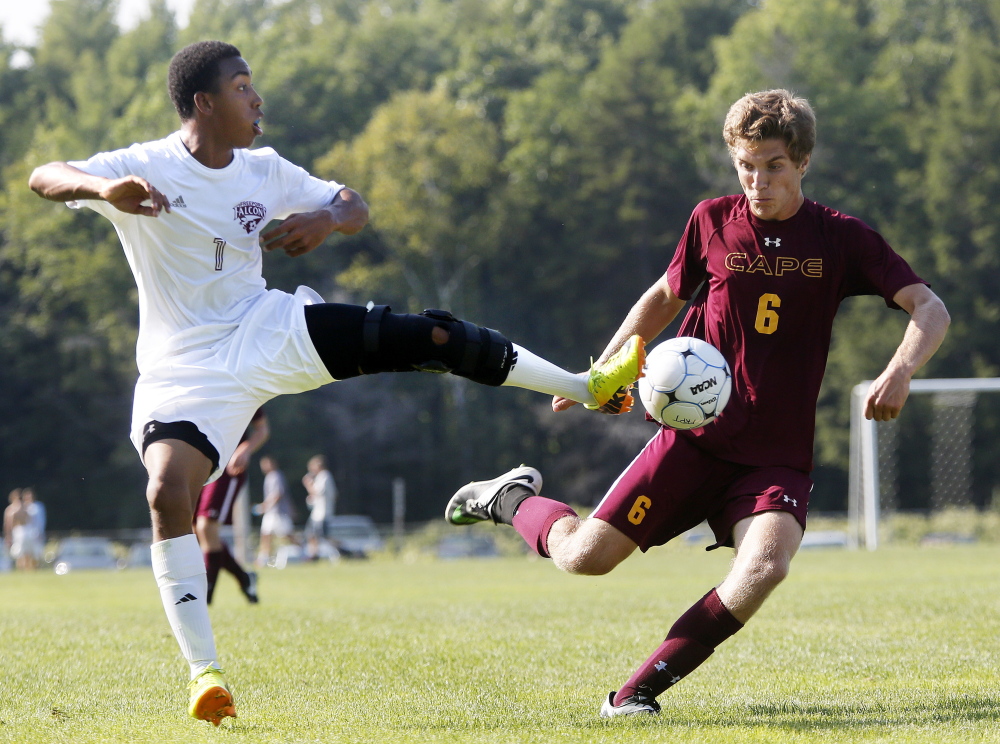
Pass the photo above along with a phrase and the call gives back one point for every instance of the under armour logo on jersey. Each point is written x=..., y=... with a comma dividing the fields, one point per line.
x=661, y=666
x=776, y=242
x=793, y=502
x=178, y=202
x=189, y=597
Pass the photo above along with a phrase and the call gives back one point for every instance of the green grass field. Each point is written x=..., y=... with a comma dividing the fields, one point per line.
x=896, y=646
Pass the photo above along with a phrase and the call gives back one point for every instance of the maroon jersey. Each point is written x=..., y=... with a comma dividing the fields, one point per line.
x=769, y=293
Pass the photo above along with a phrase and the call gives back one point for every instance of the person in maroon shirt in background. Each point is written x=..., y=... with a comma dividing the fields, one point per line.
x=215, y=508
x=765, y=272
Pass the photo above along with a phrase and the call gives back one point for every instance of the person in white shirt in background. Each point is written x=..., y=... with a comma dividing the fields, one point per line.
x=35, y=547
x=276, y=510
x=322, y=500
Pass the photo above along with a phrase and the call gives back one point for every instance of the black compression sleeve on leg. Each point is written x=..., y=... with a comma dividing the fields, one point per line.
x=336, y=332
x=479, y=354
x=353, y=340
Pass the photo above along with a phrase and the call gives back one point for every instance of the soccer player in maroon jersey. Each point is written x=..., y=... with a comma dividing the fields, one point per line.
x=765, y=272
x=215, y=508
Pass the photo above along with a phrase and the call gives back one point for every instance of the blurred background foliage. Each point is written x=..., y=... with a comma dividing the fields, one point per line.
x=530, y=165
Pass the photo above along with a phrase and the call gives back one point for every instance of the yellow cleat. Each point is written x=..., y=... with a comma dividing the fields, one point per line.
x=611, y=381
x=210, y=697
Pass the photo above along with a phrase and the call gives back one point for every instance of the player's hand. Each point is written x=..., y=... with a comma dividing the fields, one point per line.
x=300, y=233
x=887, y=395
x=562, y=404
x=128, y=194
x=240, y=460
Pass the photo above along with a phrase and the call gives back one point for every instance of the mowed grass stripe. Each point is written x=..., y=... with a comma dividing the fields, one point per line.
x=895, y=646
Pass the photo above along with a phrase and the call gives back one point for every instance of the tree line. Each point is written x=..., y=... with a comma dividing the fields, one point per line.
x=530, y=165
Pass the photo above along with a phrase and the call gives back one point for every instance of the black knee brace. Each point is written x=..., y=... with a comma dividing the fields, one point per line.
x=396, y=343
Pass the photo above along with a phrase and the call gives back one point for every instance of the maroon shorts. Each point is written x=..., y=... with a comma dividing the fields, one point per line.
x=672, y=486
x=216, y=499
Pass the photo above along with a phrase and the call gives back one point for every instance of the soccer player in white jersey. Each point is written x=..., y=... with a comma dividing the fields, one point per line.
x=215, y=344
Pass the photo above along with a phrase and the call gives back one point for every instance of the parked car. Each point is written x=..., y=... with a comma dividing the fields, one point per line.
x=354, y=535
x=76, y=553
x=139, y=556
x=467, y=546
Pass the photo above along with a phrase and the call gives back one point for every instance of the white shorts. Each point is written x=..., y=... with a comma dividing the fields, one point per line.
x=20, y=541
x=220, y=389
x=275, y=523
x=33, y=547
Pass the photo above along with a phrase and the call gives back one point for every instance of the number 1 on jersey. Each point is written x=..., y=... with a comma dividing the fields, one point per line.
x=219, y=245
x=767, y=319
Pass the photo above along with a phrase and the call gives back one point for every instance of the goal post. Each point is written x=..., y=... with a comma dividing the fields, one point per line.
x=864, y=505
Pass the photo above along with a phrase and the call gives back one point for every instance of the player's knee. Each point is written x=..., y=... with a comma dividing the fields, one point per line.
x=769, y=571
x=434, y=341
x=166, y=493
x=439, y=336
x=585, y=564
x=584, y=558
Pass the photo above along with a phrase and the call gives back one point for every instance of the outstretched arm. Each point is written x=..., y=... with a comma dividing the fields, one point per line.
x=647, y=318
x=62, y=182
x=928, y=324
x=302, y=233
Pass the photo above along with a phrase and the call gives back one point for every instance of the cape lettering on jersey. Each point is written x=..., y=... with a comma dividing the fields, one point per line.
x=249, y=214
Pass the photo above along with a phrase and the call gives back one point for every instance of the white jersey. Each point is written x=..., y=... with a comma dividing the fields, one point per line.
x=325, y=496
x=198, y=267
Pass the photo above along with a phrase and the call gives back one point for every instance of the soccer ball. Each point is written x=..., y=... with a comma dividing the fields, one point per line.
x=687, y=383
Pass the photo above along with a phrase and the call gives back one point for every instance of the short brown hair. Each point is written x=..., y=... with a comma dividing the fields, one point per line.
x=772, y=114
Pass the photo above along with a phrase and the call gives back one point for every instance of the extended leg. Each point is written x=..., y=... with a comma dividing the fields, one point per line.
x=354, y=340
x=550, y=528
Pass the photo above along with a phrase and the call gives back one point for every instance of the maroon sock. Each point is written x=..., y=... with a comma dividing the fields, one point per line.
x=535, y=517
x=691, y=640
x=213, y=562
x=229, y=563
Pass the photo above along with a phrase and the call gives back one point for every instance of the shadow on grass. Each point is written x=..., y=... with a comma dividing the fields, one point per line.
x=823, y=718
x=954, y=709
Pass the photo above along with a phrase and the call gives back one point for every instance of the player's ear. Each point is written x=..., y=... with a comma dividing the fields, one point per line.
x=804, y=165
x=203, y=102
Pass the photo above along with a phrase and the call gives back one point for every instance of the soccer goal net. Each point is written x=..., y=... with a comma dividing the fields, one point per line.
x=943, y=452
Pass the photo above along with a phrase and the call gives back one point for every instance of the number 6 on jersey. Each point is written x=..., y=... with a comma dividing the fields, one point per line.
x=767, y=319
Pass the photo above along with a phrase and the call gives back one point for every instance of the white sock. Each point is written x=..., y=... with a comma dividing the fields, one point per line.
x=534, y=373
x=179, y=569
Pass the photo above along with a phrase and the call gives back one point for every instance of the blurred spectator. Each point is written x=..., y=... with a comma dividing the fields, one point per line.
x=35, y=539
x=276, y=509
x=15, y=528
x=322, y=499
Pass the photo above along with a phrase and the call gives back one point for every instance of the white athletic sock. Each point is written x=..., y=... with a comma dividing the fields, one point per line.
x=534, y=373
x=179, y=568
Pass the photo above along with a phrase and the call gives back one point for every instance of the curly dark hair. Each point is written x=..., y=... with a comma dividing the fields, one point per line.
x=195, y=68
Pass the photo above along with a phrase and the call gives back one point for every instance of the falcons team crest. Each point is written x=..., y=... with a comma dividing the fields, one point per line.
x=249, y=214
